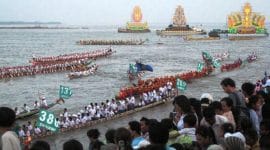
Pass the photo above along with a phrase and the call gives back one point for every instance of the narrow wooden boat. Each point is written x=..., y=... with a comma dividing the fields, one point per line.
x=32, y=112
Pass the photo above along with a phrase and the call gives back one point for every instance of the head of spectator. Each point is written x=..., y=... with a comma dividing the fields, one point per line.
x=209, y=115
x=233, y=142
x=7, y=118
x=245, y=124
x=144, y=122
x=158, y=134
x=254, y=103
x=182, y=104
x=227, y=104
x=262, y=95
x=196, y=107
x=109, y=135
x=252, y=137
x=190, y=121
x=40, y=145
x=248, y=89
x=72, y=145
x=93, y=134
x=228, y=85
x=208, y=96
x=226, y=128
x=9, y=139
x=206, y=100
x=122, y=138
x=168, y=123
x=205, y=137
x=135, y=128
x=265, y=127
x=110, y=144
x=265, y=134
x=217, y=107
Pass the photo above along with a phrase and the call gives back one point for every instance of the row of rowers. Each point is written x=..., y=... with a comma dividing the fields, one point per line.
x=32, y=70
x=95, y=111
x=74, y=56
x=37, y=105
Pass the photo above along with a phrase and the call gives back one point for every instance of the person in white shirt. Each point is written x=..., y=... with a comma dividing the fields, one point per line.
x=9, y=139
x=210, y=119
x=26, y=108
x=21, y=132
x=65, y=113
x=37, y=130
x=78, y=120
x=71, y=122
x=17, y=112
x=29, y=126
x=43, y=103
x=36, y=105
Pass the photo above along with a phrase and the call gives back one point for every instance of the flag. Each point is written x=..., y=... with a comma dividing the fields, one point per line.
x=133, y=69
x=47, y=120
x=207, y=56
x=216, y=63
x=181, y=85
x=65, y=92
x=200, y=66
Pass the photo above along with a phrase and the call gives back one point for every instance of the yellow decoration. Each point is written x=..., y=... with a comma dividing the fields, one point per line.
x=137, y=14
x=246, y=21
x=247, y=15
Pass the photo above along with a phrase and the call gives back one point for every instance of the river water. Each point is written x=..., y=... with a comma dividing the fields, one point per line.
x=174, y=56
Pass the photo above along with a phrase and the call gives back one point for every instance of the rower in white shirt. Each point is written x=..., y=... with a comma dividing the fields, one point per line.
x=26, y=108
x=36, y=105
x=43, y=102
x=17, y=112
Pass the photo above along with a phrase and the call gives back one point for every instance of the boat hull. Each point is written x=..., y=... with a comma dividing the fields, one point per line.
x=179, y=33
x=32, y=112
x=246, y=36
x=123, y=30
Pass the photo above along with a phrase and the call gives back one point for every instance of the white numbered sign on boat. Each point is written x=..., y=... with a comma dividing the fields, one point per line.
x=47, y=120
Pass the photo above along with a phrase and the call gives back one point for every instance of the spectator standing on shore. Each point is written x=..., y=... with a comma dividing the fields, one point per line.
x=137, y=140
x=227, y=105
x=205, y=137
x=210, y=119
x=110, y=144
x=145, y=122
x=254, y=105
x=93, y=135
x=9, y=139
x=182, y=107
x=123, y=139
x=72, y=145
x=40, y=145
x=238, y=99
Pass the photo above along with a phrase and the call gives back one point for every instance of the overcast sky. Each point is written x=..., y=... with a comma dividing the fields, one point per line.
x=115, y=12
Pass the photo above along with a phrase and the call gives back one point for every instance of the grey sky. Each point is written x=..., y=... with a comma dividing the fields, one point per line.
x=117, y=12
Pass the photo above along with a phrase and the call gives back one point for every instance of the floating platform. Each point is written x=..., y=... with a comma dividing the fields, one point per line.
x=188, y=38
x=124, y=30
x=246, y=36
x=179, y=33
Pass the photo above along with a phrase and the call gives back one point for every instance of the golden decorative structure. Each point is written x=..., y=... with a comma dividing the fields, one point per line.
x=136, y=25
x=246, y=22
